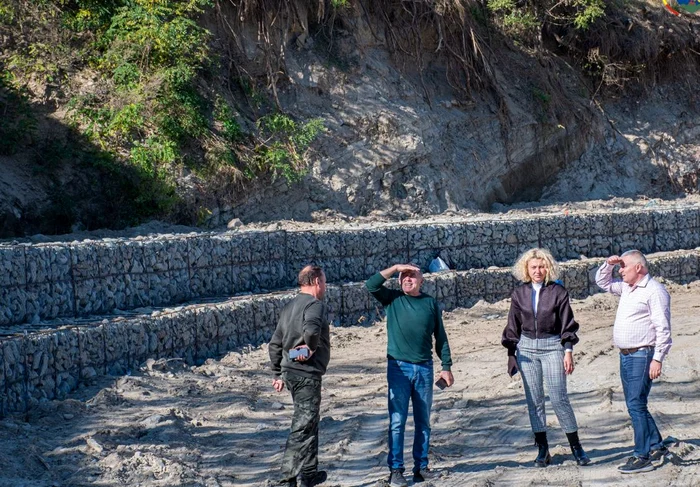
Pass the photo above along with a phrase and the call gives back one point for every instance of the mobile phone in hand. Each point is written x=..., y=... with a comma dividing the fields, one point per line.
x=295, y=353
x=441, y=383
x=513, y=370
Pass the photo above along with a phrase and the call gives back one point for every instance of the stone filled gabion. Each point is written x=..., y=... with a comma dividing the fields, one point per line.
x=2, y=383
x=47, y=281
x=206, y=328
x=66, y=360
x=45, y=365
x=65, y=281
x=40, y=370
x=183, y=327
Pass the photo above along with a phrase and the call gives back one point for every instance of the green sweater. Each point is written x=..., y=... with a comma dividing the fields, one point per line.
x=411, y=323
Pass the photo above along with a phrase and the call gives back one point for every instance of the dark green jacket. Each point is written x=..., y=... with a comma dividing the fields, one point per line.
x=303, y=321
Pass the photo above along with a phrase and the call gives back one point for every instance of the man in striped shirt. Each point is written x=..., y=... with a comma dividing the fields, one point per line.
x=642, y=332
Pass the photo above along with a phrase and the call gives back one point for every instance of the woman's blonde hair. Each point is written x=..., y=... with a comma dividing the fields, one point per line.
x=520, y=266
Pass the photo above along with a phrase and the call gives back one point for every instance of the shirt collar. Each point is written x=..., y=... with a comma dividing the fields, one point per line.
x=643, y=282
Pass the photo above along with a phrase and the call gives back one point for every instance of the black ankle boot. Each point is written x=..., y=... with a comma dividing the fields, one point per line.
x=543, y=456
x=577, y=449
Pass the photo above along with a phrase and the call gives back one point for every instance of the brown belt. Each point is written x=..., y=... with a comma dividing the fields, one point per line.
x=627, y=351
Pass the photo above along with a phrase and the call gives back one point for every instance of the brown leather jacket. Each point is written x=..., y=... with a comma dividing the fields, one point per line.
x=554, y=316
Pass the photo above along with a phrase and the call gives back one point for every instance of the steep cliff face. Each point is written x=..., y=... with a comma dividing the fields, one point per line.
x=402, y=141
x=413, y=125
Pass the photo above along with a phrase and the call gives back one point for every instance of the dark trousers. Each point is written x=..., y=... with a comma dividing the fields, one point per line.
x=301, y=452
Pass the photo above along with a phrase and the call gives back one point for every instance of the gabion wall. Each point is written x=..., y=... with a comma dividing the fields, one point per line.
x=47, y=365
x=46, y=281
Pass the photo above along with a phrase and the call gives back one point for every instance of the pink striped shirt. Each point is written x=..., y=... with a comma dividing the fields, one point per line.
x=644, y=314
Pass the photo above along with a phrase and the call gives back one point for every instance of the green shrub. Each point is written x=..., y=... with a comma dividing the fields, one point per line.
x=153, y=154
x=7, y=12
x=126, y=75
x=157, y=34
x=153, y=53
x=519, y=22
x=524, y=19
x=223, y=115
x=587, y=12
x=285, y=144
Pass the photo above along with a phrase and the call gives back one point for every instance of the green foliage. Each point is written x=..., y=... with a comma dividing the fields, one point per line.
x=588, y=11
x=519, y=22
x=153, y=53
x=501, y=6
x=285, y=145
x=340, y=3
x=155, y=34
x=223, y=115
x=106, y=126
x=152, y=154
x=524, y=20
x=87, y=15
x=126, y=75
x=127, y=121
x=7, y=12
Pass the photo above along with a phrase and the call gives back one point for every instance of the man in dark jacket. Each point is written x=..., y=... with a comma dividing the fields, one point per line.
x=413, y=319
x=302, y=326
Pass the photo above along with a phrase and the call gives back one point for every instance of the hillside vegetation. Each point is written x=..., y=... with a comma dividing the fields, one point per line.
x=119, y=111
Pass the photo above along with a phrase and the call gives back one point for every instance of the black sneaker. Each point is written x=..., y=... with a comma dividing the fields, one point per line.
x=396, y=479
x=318, y=478
x=658, y=457
x=636, y=465
x=580, y=455
x=425, y=474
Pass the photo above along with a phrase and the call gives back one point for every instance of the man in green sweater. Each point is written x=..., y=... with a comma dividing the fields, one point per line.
x=412, y=320
x=303, y=326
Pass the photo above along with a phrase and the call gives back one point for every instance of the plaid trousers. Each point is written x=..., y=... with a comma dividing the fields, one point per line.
x=542, y=361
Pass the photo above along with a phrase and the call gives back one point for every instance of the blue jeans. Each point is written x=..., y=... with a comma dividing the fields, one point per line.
x=636, y=384
x=413, y=382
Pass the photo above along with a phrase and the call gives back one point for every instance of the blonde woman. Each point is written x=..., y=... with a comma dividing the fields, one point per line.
x=540, y=336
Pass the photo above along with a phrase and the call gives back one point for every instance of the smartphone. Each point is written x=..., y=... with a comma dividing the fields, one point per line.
x=441, y=383
x=295, y=353
x=513, y=370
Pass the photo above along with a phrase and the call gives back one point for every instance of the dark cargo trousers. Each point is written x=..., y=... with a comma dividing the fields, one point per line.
x=301, y=452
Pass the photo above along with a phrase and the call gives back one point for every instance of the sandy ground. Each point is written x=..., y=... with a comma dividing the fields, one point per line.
x=221, y=424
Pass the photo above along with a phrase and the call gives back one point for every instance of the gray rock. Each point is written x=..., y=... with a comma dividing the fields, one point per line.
x=235, y=223
x=151, y=421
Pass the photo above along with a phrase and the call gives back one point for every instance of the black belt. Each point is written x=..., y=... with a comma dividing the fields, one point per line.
x=627, y=351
